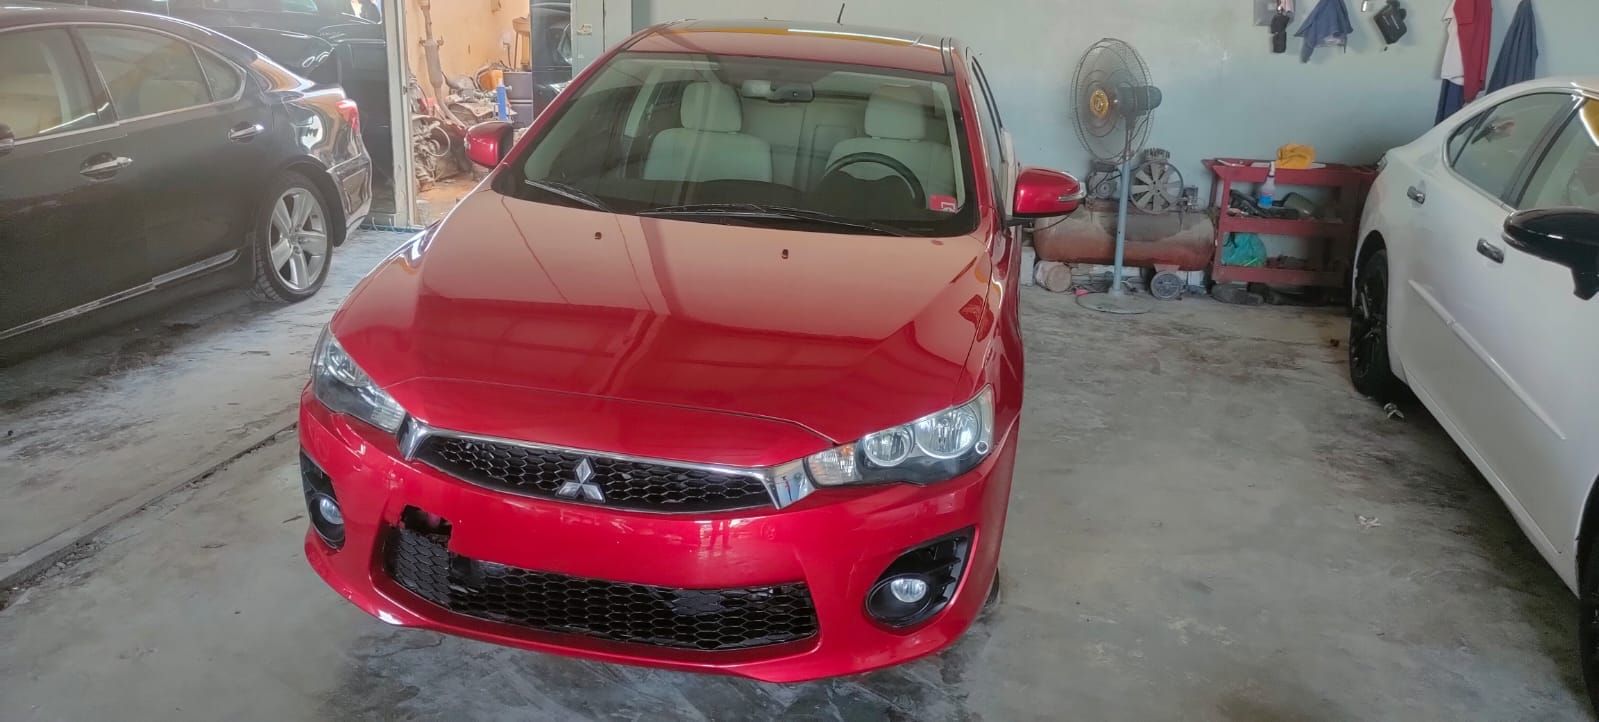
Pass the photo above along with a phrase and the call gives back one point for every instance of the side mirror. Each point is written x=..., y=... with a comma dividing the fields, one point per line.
x=1567, y=236
x=8, y=140
x=1042, y=193
x=489, y=141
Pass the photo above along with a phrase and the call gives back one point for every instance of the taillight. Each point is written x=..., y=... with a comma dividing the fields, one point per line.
x=352, y=115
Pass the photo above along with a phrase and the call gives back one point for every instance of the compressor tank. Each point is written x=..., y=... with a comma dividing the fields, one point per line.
x=1181, y=240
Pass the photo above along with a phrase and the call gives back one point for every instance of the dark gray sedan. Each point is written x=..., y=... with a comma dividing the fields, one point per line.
x=138, y=152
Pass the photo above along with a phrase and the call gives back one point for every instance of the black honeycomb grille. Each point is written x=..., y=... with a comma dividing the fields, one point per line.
x=625, y=484
x=707, y=620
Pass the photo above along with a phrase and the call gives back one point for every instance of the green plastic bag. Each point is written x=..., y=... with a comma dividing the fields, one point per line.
x=1243, y=249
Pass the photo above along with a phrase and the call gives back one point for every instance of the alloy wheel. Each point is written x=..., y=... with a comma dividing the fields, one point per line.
x=298, y=239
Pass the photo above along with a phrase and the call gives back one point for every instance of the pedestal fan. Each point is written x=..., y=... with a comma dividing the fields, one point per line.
x=1112, y=102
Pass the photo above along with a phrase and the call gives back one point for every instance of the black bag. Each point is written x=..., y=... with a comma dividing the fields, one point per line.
x=1279, y=32
x=1391, y=22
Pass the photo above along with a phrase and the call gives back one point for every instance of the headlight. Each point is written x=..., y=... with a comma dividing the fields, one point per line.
x=342, y=386
x=933, y=448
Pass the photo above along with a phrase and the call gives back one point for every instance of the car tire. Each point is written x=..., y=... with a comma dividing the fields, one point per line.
x=993, y=595
x=291, y=242
x=1588, y=624
x=1370, y=367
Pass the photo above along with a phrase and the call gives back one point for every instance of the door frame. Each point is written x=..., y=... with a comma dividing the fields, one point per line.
x=394, y=25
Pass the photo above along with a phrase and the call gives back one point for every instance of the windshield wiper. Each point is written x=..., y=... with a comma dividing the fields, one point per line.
x=569, y=192
x=758, y=210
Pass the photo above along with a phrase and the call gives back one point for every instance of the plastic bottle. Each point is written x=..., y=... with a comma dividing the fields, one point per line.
x=1268, y=190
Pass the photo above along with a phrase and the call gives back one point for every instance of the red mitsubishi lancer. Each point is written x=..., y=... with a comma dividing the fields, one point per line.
x=719, y=370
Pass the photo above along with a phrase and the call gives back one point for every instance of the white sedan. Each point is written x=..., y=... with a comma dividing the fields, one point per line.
x=1474, y=280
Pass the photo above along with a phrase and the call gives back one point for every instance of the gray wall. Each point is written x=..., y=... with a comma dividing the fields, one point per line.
x=1226, y=94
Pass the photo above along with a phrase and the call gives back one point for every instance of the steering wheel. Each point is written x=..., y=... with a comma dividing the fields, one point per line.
x=918, y=193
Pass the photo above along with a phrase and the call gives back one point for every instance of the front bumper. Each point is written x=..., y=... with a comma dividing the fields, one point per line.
x=837, y=542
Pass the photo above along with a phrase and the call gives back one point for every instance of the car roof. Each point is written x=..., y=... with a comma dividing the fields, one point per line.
x=24, y=12
x=21, y=13
x=844, y=44
x=1589, y=83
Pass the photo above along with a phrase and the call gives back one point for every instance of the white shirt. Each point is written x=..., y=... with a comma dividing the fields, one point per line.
x=1453, y=68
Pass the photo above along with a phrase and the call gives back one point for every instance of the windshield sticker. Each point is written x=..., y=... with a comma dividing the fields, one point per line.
x=943, y=204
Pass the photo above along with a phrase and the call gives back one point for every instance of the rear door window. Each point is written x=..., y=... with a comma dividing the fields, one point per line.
x=1568, y=176
x=147, y=73
x=221, y=76
x=43, y=89
x=1495, y=148
x=1457, y=141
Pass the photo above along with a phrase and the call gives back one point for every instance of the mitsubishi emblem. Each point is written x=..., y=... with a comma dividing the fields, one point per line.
x=583, y=485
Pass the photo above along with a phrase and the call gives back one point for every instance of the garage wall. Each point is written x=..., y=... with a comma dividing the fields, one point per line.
x=1226, y=94
x=471, y=29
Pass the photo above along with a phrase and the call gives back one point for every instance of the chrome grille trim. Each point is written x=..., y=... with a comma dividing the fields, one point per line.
x=414, y=433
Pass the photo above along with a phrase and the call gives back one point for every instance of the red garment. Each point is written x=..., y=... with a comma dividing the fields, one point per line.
x=1475, y=21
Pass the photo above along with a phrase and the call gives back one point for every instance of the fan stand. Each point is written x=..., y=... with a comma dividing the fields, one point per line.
x=1116, y=299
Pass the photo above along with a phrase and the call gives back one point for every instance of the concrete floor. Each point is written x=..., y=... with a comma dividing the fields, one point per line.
x=92, y=431
x=1206, y=524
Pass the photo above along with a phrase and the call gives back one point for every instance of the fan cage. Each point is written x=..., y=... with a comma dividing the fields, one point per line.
x=1106, y=64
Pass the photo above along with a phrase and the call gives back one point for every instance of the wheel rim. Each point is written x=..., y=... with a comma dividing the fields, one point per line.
x=298, y=239
x=1368, y=331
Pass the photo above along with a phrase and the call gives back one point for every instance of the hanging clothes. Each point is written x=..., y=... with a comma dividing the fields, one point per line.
x=1518, y=55
x=1453, y=67
x=1327, y=24
x=1450, y=99
x=1467, y=28
x=1475, y=18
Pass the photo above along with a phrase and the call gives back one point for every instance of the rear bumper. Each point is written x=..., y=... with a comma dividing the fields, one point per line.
x=836, y=542
x=353, y=178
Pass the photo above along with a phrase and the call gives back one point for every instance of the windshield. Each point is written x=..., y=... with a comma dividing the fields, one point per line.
x=757, y=141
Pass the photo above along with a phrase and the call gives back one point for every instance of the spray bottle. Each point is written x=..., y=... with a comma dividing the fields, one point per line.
x=1268, y=190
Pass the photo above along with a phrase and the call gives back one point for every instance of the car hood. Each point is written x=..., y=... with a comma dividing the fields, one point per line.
x=840, y=334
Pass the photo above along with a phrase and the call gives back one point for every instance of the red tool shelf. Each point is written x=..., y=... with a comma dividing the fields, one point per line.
x=1330, y=267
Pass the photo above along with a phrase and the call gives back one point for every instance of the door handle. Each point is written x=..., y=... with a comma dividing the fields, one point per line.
x=245, y=132
x=1491, y=251
x=1416, y=195
x=107, y=167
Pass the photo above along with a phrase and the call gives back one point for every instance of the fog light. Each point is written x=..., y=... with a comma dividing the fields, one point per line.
x=329, y=509
x=900, y=599
x=920, y=583
x=909, y=590
x=321, y=503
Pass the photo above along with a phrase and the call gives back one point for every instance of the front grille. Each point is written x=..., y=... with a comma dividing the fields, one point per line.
x=708, y=620
x=624, y=484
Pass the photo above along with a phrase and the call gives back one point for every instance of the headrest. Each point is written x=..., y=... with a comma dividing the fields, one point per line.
x=39, y=84
x=895, y=112
x=712, y=107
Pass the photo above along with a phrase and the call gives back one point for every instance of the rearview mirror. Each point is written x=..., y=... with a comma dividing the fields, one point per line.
x=489, y=141
x=1042, y=193
x=1567, y=236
